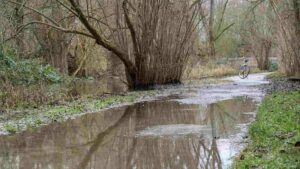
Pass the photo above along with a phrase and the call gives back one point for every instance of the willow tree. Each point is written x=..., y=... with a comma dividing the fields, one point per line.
x=152, y=38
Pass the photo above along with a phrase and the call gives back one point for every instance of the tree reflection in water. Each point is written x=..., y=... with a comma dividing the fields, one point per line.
x=109, y=139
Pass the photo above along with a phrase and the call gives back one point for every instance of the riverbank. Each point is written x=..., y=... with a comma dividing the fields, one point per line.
x=17, y=120
x=29, y=119
x=275, y=135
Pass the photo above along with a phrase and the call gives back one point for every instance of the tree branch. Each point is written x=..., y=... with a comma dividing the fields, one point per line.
x=36, y=11
x=100, y=40
x=55, y=27
x=225, y=29
x=223, y=13
x=131, y=28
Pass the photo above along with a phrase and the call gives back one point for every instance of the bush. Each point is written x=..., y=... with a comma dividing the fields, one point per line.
x=49, y=74
x=273, y=66
x=26, y=83
x=26, y=71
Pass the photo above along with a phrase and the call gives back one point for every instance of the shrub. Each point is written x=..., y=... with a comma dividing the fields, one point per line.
x=26, y=71
x=27, y=83
x=273, y=66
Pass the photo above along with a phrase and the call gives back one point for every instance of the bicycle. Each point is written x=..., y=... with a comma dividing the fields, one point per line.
x=244, y=70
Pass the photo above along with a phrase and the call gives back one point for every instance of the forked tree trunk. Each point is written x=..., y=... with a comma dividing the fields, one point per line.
x=153, y=48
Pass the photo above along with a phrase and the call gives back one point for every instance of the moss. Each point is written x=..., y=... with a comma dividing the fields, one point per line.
x=275, y=134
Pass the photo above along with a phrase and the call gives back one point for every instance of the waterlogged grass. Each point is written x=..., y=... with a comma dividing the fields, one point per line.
x=102, y=103
x=45, y=115
x=275, y=135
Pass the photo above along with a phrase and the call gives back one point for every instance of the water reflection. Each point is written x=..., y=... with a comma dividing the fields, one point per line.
x=113, y=139
x=97, y=87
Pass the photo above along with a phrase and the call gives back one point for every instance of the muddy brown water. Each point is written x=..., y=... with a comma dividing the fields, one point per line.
x=99, y=87
x=161, y=134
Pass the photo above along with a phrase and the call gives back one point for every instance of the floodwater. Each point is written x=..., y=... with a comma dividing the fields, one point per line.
x=201, y=128
x=104, y=86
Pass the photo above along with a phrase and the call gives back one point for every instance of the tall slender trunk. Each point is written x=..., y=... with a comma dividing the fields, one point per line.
x=296, y=4
x=211, y=31
x=19, y=17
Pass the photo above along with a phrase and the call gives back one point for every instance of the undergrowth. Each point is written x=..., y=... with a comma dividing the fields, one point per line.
x=27, y=82
x=47, y=114
x=26, y=71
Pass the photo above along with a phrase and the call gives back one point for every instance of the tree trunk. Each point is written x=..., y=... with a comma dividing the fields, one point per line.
x=263, y=56
x=19, y=17
x=154, y=49
x=296, y=4
x=54, y=44
x=211, y=31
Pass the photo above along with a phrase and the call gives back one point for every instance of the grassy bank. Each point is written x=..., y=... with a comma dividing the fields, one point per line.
x=275, y=135
x=33, y=93
x=36, y=117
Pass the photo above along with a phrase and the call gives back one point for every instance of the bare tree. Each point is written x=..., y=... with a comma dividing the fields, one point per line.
x=288, y=35
x=285, y=21
x=257, y=32
x=144, y=36
x=54, y=44
x=214, y=26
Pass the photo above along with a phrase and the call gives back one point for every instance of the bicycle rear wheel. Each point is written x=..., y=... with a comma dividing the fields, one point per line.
x=244, y=72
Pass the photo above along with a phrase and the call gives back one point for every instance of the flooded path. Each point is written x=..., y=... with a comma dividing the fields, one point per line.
x=201, y=128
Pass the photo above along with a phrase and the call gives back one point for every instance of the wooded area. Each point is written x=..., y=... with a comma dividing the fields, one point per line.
x=153, y=39
x=149, y=84
x=138, y=43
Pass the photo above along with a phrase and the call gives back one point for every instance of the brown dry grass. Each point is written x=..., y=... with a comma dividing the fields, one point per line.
x=210, y=70
x=214, y=70
x=22, y=96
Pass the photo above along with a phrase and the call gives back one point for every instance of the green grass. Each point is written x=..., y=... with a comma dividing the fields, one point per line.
x=274, y=134
x=35, y=118
x=48, y=114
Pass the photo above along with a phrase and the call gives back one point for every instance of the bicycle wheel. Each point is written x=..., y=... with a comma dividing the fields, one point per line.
x=244, y=72
x=247, y=71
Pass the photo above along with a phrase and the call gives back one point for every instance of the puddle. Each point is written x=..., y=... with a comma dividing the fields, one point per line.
x=157, y=134
x=98, y=87
x=174, y=130
x=236, y=87
x=198, y=128
x=252, y=79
